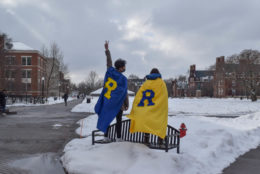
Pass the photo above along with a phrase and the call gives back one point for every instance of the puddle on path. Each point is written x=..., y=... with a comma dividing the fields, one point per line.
x=40, y=164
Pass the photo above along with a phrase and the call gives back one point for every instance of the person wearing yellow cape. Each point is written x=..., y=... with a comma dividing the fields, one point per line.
x=149, y=112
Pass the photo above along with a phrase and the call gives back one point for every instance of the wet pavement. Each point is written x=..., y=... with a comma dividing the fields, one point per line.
x=41, y=164
x=33, y=140
x=249, y=163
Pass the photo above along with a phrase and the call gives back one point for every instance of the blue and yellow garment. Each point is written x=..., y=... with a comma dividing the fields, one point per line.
x=149, y=112
x=111, y=98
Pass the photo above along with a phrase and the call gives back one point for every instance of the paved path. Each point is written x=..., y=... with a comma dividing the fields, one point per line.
x=249, y=163
x=32, y=132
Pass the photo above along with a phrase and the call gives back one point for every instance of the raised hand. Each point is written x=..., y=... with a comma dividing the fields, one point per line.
x=106, y=44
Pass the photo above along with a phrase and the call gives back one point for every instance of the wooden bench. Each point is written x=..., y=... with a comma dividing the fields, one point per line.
x=172, y=139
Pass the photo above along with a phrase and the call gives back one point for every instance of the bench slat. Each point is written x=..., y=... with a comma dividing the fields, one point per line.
x=172, y=139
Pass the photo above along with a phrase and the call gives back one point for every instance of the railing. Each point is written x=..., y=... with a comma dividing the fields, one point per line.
x=24, y=99
x=172, y=139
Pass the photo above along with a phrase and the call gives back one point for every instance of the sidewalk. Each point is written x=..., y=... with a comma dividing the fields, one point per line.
x=249, y=163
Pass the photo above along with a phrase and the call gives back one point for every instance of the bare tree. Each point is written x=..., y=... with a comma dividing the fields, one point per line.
x=247, y=73
x=251, y=56
x=134, y=82
x=45, y=51
x=133, y=76
x=53, y=66
x=92, y=79
x=83, y=88
x=5, y=45
x=91, y=83
x=233, y=59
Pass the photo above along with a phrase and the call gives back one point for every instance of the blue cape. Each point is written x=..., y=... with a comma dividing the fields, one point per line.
x=110, y=101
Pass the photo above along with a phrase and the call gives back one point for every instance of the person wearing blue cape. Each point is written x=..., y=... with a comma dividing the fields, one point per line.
x=113, y=99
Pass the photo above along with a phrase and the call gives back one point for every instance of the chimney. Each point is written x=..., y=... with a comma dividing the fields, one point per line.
x=2, y=41
x=192, y=70
x=220, y=61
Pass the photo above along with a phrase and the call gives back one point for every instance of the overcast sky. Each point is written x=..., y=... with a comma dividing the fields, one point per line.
x=170, y=34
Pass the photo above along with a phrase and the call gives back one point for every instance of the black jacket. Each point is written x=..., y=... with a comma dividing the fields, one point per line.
x=2, y=99
x=65, y=96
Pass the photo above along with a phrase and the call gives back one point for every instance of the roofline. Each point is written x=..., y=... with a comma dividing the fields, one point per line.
x=25, y=51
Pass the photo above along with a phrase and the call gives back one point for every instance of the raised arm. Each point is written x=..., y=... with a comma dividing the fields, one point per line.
x=109, y=59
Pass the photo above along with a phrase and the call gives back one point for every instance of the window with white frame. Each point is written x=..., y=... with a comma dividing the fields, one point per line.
x=10, y=60
x=26, y=73
x=26, y=60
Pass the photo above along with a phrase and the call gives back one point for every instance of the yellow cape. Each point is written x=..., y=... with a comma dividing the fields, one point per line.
x=152, y=116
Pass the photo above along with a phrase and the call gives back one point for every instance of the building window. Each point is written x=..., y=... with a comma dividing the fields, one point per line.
x=26, y=73
x=39, y=61
x=10, y=60
x=10, y=74
x=233, y=83
x=26, y=60
x=220, y=91
x=26, y=87
x=11, y=86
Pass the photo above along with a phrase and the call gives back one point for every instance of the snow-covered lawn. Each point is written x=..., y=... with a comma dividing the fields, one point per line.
x=193, y=107
x=211, y=143
x=50, y=101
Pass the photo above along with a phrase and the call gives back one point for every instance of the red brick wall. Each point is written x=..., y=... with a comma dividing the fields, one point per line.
x=34, y=69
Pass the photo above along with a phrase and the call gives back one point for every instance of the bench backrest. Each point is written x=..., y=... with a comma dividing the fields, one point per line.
x=138, y=137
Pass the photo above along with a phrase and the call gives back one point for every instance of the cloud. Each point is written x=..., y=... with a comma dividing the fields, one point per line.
x=28, y=26
x=170, y=35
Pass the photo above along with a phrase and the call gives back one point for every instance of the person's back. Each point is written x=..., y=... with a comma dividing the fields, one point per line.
x=149, y=113
x=65, y=98
x=118, y=99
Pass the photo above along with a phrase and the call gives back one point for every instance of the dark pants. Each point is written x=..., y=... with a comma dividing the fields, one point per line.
x=118, y=124
x=2, y=108
x=65, y=100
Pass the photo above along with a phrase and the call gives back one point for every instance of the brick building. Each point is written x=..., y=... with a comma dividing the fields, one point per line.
x=236, y=79
x=228, y=79
x=200, y=82
x=23, y=70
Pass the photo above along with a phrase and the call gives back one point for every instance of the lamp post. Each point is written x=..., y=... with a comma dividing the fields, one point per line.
x=59, y=90
x=26, y=81
x=42, y=89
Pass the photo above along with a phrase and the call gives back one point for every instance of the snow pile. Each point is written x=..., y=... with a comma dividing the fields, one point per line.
x=86, y=107
x=193, y=107
x=211, y=145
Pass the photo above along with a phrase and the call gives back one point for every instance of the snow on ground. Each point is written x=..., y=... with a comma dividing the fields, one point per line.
x=195, y=106
x=211, y=143
x=50, y=101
